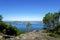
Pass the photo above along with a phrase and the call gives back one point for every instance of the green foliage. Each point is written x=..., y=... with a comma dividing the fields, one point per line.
x=9, y=29
x=21, y=32
x=47, y=20
x=48, y=17
x=52, y=23
x=54, y=35
x=1, y=17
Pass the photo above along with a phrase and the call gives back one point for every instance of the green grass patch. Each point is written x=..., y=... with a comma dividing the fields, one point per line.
x=54, y=35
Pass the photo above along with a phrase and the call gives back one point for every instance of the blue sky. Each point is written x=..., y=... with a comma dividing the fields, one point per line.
x=27, y=10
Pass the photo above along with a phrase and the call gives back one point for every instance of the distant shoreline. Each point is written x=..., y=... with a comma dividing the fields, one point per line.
x=23, y=22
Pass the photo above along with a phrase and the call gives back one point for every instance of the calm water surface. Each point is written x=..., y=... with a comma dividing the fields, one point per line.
x=33, y=26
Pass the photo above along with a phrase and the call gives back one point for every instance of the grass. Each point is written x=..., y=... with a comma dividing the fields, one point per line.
x=54, y=35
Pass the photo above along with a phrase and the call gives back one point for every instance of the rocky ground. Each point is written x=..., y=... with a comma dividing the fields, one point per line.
x=35, y=35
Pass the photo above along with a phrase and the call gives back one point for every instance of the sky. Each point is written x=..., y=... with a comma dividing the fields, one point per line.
x=27, y=10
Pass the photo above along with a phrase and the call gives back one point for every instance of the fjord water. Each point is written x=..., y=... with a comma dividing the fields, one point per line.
x=33, y=26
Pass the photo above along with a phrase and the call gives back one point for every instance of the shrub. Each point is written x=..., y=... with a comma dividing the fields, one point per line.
x=54, y=35
x=9, y=29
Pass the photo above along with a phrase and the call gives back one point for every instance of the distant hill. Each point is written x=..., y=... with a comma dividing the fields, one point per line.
x=23, y=22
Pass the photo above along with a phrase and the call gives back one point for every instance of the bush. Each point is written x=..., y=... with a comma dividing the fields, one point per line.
x=54, y=35
x=9, y=29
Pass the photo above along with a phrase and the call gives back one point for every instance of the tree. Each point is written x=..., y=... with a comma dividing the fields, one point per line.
x=57, y=22
x=9, y=29
x=28, y=26
x=51, y=22
x=1, y=17
x=47, y=20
